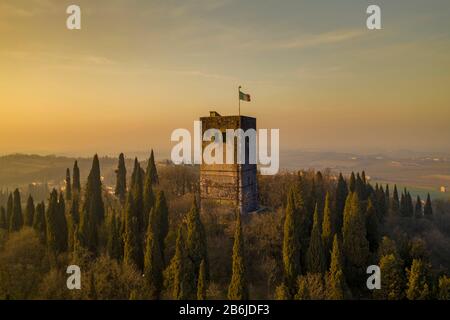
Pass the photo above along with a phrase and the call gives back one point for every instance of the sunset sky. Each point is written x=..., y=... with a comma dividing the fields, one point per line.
x=139, y=69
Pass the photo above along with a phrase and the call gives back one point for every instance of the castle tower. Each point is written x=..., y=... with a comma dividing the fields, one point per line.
x=233, y=185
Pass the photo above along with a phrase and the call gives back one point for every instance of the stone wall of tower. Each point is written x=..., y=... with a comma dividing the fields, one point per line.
x=233, y=185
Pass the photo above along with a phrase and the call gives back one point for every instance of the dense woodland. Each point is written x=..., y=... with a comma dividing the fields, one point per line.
x=316, y=236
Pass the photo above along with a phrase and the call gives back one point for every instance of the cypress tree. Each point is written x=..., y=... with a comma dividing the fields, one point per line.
x=29, y=212
x=121, y=231
x=16, y=221
x=238, y=289
x=162, y=219
x=76, y=245
x=417, y=287
x=363, y=177
x=368, y=191
x=87, y=230
x=152, y=169
x=68, y=186
x=133, y=254
x=93, y=210
x=340, y=197
x=305, y=202
x=380, y=204
x=302, y=201
x=304, y=219
x=328, y=224
x=178, y=266
x=61, y=204
x=428, y=210
x=113, y=242
x=355, y=244
x=136, y=165
x=196, y=243
x=121, y=179
x=149, y=196
x=403, y=210
x=391, y=279
x=352, y=183
x=137, y=194
x=51, y=221
x=372, y=227
x=320, y=191
x=9, y=209
x=62, y=224
x=72, y=237
x=336, y=284
x=74, y=211
x=388, y=197
x=418, y=209
x=93, y=198
x=311, y=200
x=153, y=263
x=291, y=244
x=39, y=223
x=409, y=205
x=3, y=223
x=76, y=185
x=300, y=191
x=201, y=283
x=395, y=202
x=315, y=257
x=360, y=187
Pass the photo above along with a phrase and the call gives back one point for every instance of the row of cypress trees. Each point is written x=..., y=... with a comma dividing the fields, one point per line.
x=51, y=224
x=399, y=205
x=189, y=268
x=72, y=220
x=187, y=273
x=14, y=218
x=333, y=234
x=330, y=246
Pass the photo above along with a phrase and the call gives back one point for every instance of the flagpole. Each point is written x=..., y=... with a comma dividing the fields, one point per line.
x=239, y=190
x=239, y=98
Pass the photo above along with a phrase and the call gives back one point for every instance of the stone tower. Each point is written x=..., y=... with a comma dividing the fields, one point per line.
x=233, y=185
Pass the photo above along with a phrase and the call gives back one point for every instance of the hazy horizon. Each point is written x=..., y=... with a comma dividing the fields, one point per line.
x=164, y=154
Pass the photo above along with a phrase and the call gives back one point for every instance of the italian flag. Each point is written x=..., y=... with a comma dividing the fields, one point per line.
x=244, y=96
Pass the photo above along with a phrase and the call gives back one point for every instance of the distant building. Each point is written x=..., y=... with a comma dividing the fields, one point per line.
x=233, y=185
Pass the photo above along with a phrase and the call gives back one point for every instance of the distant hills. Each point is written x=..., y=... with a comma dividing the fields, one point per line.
x=19, y=169
x=420, y=172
